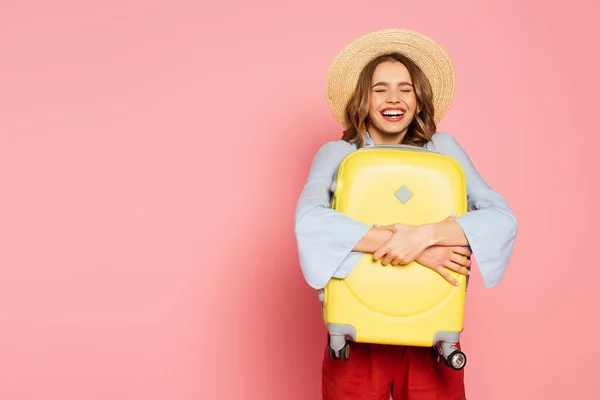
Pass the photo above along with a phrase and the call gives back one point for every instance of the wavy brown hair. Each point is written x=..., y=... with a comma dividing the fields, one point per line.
x=421, y=128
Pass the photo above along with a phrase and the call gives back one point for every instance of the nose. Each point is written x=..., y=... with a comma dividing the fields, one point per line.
x=393, y=97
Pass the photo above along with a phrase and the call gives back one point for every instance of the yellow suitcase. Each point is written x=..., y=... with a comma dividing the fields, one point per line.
x=397, y=305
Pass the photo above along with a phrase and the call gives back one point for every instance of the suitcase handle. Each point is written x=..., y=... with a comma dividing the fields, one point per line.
x=399, y=147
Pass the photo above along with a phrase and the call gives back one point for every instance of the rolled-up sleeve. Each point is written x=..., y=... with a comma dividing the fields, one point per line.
x=325, y=237
x=489, y=225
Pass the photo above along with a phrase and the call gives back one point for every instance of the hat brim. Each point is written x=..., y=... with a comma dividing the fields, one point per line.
x=431, y=59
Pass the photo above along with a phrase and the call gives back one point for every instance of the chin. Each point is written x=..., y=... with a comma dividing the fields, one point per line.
x=397, y=132
x=393, y=130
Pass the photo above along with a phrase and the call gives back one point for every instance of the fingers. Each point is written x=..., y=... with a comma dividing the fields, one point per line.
x=388, y=258
x=380, y=252
x=396, y=261
x=460, y=260
x=446, y=275
x=461, y=250
x=450, y=217
x=457, y=268
x=384, y=254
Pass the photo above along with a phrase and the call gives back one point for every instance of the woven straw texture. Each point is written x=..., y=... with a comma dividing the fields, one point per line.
x=428, y=55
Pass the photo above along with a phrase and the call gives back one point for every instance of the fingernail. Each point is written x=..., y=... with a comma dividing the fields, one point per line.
x=453, y=215
x=457, y=284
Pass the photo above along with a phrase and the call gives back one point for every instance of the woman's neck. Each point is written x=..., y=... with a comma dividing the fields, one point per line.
x=386, y=138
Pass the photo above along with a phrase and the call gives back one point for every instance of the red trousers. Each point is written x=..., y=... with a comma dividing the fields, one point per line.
x=373, y=372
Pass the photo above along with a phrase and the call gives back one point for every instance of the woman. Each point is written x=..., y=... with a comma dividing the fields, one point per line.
x=394, y=86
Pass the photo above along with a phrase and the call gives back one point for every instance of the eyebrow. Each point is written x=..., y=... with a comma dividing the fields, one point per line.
x=403, y=83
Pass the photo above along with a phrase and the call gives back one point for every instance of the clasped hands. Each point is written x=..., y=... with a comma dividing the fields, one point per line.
x=418, y=243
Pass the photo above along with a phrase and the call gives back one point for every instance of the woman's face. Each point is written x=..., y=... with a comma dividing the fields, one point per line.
x=393, y=102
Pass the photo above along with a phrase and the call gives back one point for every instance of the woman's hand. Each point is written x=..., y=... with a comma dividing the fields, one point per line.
x=442, y=258
x=406, y=244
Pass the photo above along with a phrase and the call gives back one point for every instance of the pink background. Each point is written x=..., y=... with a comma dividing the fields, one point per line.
x=151, y=156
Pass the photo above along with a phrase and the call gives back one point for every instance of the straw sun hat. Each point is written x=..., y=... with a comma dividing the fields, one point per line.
x=424, y=52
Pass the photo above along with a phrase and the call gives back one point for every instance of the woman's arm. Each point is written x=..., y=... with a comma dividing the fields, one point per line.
x=326, y=238
x=448, y=233
x=373, y=240
x=489, y=226
x=408, y=242
x=329, y=241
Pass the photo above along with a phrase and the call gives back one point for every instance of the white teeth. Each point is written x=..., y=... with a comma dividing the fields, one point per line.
x=393, y=113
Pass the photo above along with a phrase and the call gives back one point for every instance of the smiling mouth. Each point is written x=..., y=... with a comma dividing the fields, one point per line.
x=393, y=115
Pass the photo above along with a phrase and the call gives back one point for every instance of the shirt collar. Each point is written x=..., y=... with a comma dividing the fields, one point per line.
x=368, y=140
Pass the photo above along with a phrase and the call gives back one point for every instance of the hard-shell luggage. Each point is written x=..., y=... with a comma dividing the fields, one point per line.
x=408, y=304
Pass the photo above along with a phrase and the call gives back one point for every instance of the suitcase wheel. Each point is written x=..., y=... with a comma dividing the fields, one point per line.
x=344, y=352
x=332, y=355
x=456, y=360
